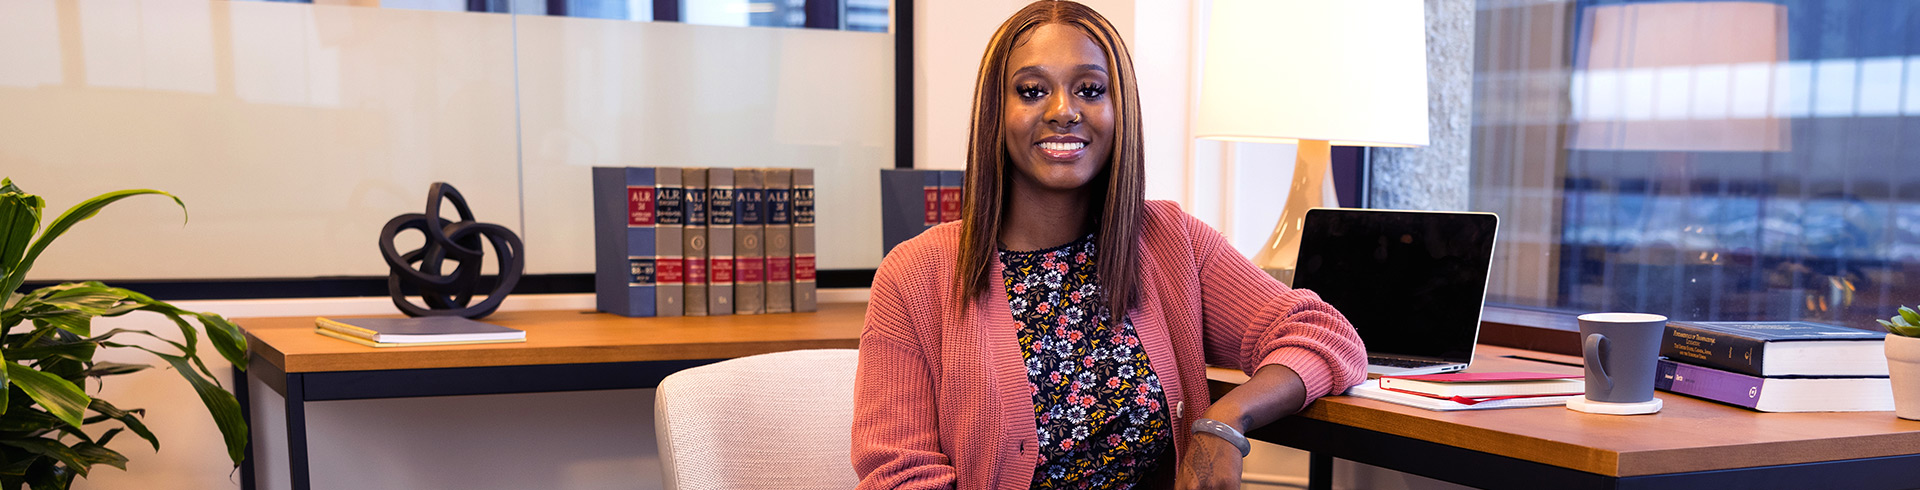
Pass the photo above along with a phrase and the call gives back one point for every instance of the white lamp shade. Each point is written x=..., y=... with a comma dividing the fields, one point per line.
x=1350, y=72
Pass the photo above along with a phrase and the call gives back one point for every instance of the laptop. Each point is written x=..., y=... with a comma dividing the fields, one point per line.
x=1412, y=282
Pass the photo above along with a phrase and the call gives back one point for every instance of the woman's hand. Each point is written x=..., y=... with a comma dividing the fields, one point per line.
x=1212, y=464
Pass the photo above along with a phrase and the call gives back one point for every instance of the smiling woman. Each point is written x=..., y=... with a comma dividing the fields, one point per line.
x=1056, y=335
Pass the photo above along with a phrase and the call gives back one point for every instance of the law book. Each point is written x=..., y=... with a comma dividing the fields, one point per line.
x=1777, y=394
x=1777, y=348
x=624, y=241
x=670, y=269
x=694, y=242
x=909, y=204
x=779, y=185
x=1483, y=385
x=426, y=329
x=749, y=253
x=720, y=221
x=1371, y=390
x=950, y=183
x=804, y=274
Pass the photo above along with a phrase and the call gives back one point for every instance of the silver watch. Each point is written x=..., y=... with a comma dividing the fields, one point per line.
x=1224, y=431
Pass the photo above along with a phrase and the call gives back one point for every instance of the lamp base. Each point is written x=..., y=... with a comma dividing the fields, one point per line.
x=1311, y=163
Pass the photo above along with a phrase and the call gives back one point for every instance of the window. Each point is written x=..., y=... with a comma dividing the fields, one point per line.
x=1702, y=160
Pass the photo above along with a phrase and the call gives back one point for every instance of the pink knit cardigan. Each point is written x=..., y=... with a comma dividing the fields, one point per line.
x=942, y=400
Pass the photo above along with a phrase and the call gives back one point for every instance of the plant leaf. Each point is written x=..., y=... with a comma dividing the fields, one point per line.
x=79, y=212
x=226, y=338
x=100, y=369
x=1912, y=317
x=220, y=403
x=95, y=453
x=1907, y=331
x=58, y=396
x=126, y=418
x=52, y=449
x=19, y=220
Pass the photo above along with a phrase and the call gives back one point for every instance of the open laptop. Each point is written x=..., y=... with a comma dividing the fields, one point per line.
x=1412, y=282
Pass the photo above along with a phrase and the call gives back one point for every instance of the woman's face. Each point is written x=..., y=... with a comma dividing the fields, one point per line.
x=1059, y=118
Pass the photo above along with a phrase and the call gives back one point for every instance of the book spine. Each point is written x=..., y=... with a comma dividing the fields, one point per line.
x=720, y=221
x=694, y=241
x=612, y=267
x=670, y=273
x=1713, y=348
x=950, y=182
x=902, y=207
x=749, y=263
x=804, y=287
x=1712, y=384
x=642, y=251
x=779, y=185
x=930, y=190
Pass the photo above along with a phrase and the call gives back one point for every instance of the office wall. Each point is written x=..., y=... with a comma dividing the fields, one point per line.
x=293, y=132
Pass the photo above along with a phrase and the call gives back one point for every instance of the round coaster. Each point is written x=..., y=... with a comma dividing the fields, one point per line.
x=1582, y=404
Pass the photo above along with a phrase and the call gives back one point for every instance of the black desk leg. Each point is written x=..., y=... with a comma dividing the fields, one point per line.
x=246, y=418
x=297, y=432
x=1319, y=471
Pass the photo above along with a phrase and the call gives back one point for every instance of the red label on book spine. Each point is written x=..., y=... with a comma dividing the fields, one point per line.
x=803, y=268
x=722, y=270
x=751, y=269
x=639, y=206
x=933, y=205
x=779, y=269
x=668, y=271
x=949, y=204
x=696, y=271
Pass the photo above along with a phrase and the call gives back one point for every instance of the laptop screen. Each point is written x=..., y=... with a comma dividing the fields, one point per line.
x=1411, y=282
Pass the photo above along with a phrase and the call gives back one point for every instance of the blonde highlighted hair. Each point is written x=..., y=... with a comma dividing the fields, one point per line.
x=1119, y=186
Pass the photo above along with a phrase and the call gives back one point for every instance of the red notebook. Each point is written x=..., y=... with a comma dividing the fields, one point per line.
x=1486, y=385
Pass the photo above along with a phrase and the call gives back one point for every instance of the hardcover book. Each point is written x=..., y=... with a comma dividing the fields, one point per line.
x=749, y=230
x=624, y=241
x=694, y=241
x=804, y=289
x=670, y=268
x=419, y=329
x=720, y=220
x=1777, y=348
x=1371, y=390
x=779, y=239
x=1776, y=394
x=950, y=182
x=1482, y=385
x=909, y=204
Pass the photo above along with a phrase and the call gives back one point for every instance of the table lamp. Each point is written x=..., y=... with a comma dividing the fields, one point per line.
x=1315, y=73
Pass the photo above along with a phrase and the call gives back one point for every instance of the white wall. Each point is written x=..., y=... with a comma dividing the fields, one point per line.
x=294, y=132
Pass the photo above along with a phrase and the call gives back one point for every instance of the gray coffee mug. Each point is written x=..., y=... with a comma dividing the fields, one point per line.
x=1621, y=351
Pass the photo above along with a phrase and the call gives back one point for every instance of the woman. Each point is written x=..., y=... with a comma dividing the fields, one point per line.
x=995, y=354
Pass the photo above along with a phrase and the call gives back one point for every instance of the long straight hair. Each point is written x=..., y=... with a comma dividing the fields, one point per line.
x=1119, y=187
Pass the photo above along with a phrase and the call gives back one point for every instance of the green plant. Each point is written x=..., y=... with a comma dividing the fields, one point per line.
x=1905, y=324
x=44, y=406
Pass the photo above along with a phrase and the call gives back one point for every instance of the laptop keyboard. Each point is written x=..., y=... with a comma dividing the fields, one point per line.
x=1405, y=363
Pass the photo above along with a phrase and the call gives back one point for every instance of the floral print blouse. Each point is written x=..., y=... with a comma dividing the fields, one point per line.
x=1102, y=417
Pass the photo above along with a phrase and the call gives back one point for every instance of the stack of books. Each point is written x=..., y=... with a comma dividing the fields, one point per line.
x=1473, y=391
x=1777, y=366
x=913, y=201
x=426, y=330
x=703, y=241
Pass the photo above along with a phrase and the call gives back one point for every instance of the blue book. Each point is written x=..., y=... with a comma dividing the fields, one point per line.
x=1774, y=394
x=1777, y=348
x=623, y=228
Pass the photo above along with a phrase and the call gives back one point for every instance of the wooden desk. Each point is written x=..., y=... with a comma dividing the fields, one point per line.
x=1691, y=443
x=564, y=351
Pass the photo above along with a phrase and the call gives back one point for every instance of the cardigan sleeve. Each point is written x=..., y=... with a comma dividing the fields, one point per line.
x=1252, y=321
x=895, y=426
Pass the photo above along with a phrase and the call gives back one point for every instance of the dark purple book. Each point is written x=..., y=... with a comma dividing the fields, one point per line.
x=1783, y=394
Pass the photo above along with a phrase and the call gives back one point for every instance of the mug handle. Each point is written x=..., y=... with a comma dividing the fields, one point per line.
x=1593, y=345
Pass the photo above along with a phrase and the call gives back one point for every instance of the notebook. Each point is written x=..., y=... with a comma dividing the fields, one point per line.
x=1412, y=282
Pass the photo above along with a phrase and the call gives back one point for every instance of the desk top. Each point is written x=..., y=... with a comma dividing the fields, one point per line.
x=1687, y=435
x=567, y=337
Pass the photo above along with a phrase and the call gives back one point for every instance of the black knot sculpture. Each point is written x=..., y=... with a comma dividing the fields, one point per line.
x=459, y=242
